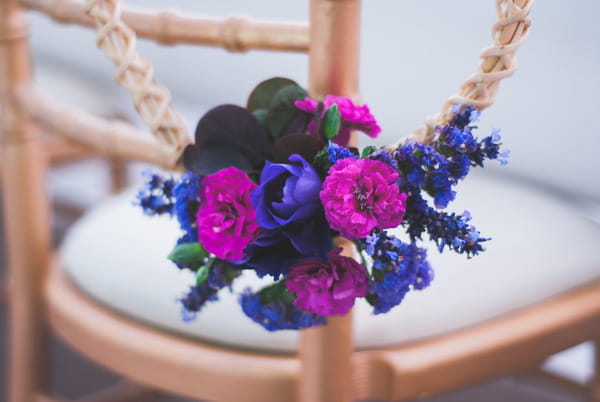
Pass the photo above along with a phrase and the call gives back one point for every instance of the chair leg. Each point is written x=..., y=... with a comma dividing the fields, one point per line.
x=118, y=170
x=26, y=213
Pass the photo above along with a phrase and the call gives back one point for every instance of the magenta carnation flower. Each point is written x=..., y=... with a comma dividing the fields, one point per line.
x=359, y=195
x=226, y=219
x=354, y=117
x=327, y=288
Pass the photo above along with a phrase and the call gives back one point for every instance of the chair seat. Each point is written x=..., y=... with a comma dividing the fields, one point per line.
x=541, y=247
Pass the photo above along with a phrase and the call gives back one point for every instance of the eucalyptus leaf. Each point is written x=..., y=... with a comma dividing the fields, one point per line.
x=262, y=96
x=284, y=117
x=188, y=253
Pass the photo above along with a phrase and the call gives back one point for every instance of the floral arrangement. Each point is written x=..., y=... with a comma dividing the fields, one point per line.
x=269, y=188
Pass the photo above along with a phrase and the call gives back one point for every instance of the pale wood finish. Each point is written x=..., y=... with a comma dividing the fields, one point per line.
x=236, y=34
x=161, y=360
x=514, y=342
x=325, y=355
x=112, y=138
x=26, y=213
x=325, y=352
x=169, y=362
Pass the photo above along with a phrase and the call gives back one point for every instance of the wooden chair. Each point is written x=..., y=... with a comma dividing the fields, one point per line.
x=326, y=366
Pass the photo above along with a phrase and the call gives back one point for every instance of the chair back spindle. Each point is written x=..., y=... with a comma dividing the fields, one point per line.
x=26, y=211
x=325, y=352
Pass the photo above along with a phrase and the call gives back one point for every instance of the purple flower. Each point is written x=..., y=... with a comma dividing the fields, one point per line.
x=354, y=117
x=360, y=195
x=226, y=220
x=327, y=288
x=288, y=199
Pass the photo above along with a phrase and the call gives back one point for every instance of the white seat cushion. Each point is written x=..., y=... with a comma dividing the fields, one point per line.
x=540, y=248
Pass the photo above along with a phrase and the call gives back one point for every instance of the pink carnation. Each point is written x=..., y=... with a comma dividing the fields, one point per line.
x=327, y=288
x=354, y=117
x=359, y=195
x=226, y=219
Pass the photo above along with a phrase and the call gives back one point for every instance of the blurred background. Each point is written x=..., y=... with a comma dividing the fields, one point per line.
x=414, y=55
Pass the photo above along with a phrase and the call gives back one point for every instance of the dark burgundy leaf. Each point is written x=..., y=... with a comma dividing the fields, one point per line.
x=208, y=161
x=234, y=128
x=302, y=144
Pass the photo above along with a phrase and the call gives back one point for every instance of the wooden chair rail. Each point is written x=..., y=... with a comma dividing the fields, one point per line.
x=516, y=342
x=236, y=34
x=160, y=360
x=108, y=137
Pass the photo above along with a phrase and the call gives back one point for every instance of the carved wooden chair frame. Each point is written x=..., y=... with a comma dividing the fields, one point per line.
x=326, y=368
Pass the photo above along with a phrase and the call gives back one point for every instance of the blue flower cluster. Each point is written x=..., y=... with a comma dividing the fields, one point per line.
x=384, y=156
x=439, y=166
x=446, y=229
x=186, y=204
x=156, y=197
x=294, y=226
x=277, y=314
x=220, y=276
x=456, y=142
x=179, y=197
x=423, y=167
x=337, y=152
x=397, y=268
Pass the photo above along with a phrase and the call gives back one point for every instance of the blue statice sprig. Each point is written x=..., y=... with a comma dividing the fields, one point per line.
x=422, y=167
x=186, y=194
x=272, y=308
x=220, y=275
x=397, y=268
x=156, y=197
x=449, y=230
x=457, y=143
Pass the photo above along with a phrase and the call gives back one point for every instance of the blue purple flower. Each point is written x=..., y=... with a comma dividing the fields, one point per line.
x=397, y=268
x=277, y=314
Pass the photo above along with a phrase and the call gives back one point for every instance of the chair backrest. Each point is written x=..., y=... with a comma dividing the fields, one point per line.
x=333, y=52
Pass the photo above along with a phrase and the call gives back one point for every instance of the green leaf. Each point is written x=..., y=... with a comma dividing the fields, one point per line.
x=284, y=117
x=262, y=96
x=188, y=253
x=202, y=273
x=368, y=151
x=277, y=292
x=332, y=121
